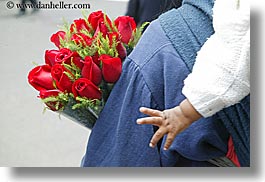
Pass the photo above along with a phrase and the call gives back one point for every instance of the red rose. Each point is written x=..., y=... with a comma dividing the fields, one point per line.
x=85, y=88
x=121, y=51
x=96, y=17
x=91, y=71
x=79, y=25
x=101, y=28
x=55, y=38
x=126, y=25
x=49, y=93
x=114, y=36
x=95, y=59
x=76, y=59
x=50, y=56
x=111, y=68
x=63, y=55
x=59, y=74
x=40, y=78
x=82, y=39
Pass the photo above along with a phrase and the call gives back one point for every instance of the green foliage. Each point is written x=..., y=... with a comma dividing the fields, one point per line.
x=54, y=84
x=107, y=23
x=115, y=29
x=83, y=102
x=57, y=101
x=87, y=50
x=104, y=46
x=83, y=51
x=75, y=70
x=92, y=31
x=66, y=29
x=35, y=63
x=137, y=35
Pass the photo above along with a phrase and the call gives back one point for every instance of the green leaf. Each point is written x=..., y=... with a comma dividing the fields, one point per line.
x=70, y=76
x=137, y=35
x=60, y=100
x=35, y=63
x=104, y=47
x=107, y=23
x=74, y=69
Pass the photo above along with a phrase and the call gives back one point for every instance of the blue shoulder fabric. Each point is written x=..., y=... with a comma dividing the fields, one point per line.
x=193, y=24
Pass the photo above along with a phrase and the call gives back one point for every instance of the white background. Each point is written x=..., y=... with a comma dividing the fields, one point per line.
x=253, y=174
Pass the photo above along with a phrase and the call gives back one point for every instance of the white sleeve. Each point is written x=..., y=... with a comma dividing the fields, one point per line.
x=221, y=73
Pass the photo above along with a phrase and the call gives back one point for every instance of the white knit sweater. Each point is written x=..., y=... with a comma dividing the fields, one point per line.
x=221, y=73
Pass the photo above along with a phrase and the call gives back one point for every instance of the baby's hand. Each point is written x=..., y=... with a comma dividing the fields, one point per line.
x=170, y=122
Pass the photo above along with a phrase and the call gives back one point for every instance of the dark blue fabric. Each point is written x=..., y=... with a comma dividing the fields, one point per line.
x=237, y=121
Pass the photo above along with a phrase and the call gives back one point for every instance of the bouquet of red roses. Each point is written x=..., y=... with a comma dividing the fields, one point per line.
x=77, y=77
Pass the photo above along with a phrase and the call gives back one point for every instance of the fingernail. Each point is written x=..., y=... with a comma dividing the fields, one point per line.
x=138, y=121
x=151, y=145
x=165, y=148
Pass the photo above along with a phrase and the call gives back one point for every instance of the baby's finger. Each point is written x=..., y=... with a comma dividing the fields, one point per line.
x=151, y=112
x=156, y=137
x=169, y=140
x=157, y=121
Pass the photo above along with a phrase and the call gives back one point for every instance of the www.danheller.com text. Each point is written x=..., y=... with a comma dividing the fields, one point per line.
x=55, y=5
